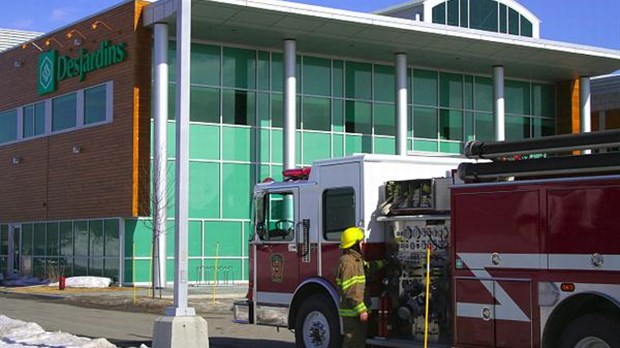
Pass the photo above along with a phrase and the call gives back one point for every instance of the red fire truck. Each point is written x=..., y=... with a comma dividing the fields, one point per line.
x=524, y=253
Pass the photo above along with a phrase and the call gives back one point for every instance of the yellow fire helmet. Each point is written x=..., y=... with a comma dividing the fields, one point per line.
x=350, y=236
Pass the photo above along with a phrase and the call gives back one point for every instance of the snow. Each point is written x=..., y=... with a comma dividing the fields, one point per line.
x=17, y=333
x=85, y=282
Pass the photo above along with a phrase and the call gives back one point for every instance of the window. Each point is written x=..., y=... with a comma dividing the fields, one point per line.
x=483, y=15
x=338, y=211
x=316, y=112
x=64, y=112
x=239, y=107
x=316, y=76
x=425, y=122
x=358, y=80
x=204, y=104
x=358, y=117
x=34, y=120
x=8, y=126
x=95, y=104
x=424, y=87
x=275, y=216
x=239, y=67
x=439, y=13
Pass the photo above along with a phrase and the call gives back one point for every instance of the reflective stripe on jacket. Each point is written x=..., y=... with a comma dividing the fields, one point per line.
x=351, y=281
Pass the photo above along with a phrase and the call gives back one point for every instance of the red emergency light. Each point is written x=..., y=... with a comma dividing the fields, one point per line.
x=296, y=173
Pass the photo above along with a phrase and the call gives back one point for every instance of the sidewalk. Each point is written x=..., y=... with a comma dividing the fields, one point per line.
x=204, y=299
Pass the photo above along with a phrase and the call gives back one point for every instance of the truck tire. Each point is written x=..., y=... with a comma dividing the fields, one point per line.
x=317, y=324
x=591, y=331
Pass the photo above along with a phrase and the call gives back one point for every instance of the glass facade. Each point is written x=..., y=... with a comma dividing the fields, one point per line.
x=486, y=15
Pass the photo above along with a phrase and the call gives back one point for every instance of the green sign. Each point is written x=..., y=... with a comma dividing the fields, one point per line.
x=54, y=68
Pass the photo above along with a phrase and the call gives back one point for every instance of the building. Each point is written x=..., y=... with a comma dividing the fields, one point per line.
x=606, y=102
x=76, y=117
x=10, y=38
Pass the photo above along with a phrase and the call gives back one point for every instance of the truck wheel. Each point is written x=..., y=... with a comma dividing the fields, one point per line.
x=317, y=324
x=591, y=331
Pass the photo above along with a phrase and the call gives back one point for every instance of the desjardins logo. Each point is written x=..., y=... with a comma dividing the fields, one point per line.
x=54, y=68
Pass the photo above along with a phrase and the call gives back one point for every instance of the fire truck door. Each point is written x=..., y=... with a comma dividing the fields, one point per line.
x=277, y=254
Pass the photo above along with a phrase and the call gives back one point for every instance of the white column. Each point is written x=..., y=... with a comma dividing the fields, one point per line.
x=290, y=102
x=160, y=139
x=184, y=36
x=584, y=104
x=498, y=103
x=401, y=103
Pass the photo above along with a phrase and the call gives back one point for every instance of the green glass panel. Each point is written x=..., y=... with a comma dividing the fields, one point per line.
x=503, y=18
x=425, y=122
x=358, y=144
x=111, y=238
x=80, y=237
x=483, y=90
x=276, y=146
x=111, y=268
x=4, y=240
x=239, y=68
x=451, y=90
x=194, y=268
x=337, y=145
x=171, y=183
x=483, y=15
x=468, y=92
x=453, y=12
x=276, y=172
x=385, y=146
x=172, y=101
x=358, y=117
x=204, y=104
x=451, y=124
x=358, y=80
x=264, y=146
x=247, y=235
x=139, y=271
x=194, y=238
x=338, y=76
x=236, y=191
x=338, y=115
x=96, y=238
x=34, y=120
x=262, y=110
x=485, y=129
x=95, y=104
x=139, y=237
x=277, y=110
x=236, y=144
x=64, y=112
x=171, y=136
x=39, y=267
x=223, y=238
x=316, y=113
x=204, y=142
x=264, y=172
x=424, y=87
x=52, y=239
x=449, y=147
x=239, y=107
x=513, y=22
x=66, y=239
x=8, y=126
x=517, y=128
x=543, y=100
x=425, y=145
x=38, y=241
x=227, y=270
x=384, y=83
x=384, y=116
x=526, y=27
x=517, y=97
x=316, y=146
x=95, y=267
x=172, y=60
x=262, y=67
x=465, y=13
x=469, y=126
x=543, y=127
x=205, y=64
x=439, y=13
x=170, y=243
x=27, y=238
x=204, y=187
x=277, y=79
x=316, y=76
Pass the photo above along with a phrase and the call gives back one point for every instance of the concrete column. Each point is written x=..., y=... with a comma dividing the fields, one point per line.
x=400, y=63
x=499, y=115
x=584, y=104
x=160, y=138
x=290, y=102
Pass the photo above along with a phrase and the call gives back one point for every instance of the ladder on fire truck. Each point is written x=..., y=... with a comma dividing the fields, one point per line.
x=555, y=155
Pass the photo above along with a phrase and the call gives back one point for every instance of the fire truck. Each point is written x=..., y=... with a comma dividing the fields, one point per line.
x=519, y=248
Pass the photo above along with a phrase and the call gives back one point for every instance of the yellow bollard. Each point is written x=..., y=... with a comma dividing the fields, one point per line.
x=428, y=287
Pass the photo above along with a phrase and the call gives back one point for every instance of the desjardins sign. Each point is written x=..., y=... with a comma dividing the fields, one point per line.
x=54, y=68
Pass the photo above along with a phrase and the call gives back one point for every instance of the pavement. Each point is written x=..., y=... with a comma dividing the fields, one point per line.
x=205, y=299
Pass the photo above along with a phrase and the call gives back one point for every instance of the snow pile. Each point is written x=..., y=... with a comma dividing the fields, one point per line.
x=17, y=333
x=85, y=282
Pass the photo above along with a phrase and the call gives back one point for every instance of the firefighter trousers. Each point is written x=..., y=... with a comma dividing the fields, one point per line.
x=354, y=332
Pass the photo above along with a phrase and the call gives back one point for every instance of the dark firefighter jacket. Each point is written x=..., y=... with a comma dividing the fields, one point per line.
x=351, y=281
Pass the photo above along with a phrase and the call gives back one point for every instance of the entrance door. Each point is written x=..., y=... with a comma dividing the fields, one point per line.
x=14, y=244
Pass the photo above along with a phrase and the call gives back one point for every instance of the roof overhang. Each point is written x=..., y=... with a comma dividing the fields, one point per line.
x=331, y=32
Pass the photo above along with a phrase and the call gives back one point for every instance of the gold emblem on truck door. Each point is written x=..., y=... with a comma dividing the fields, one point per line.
x=277, y=268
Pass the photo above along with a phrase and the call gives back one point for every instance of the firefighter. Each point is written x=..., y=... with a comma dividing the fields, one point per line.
x=351, y=280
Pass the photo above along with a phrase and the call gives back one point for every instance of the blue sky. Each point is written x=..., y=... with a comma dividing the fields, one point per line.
x=588, y=22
